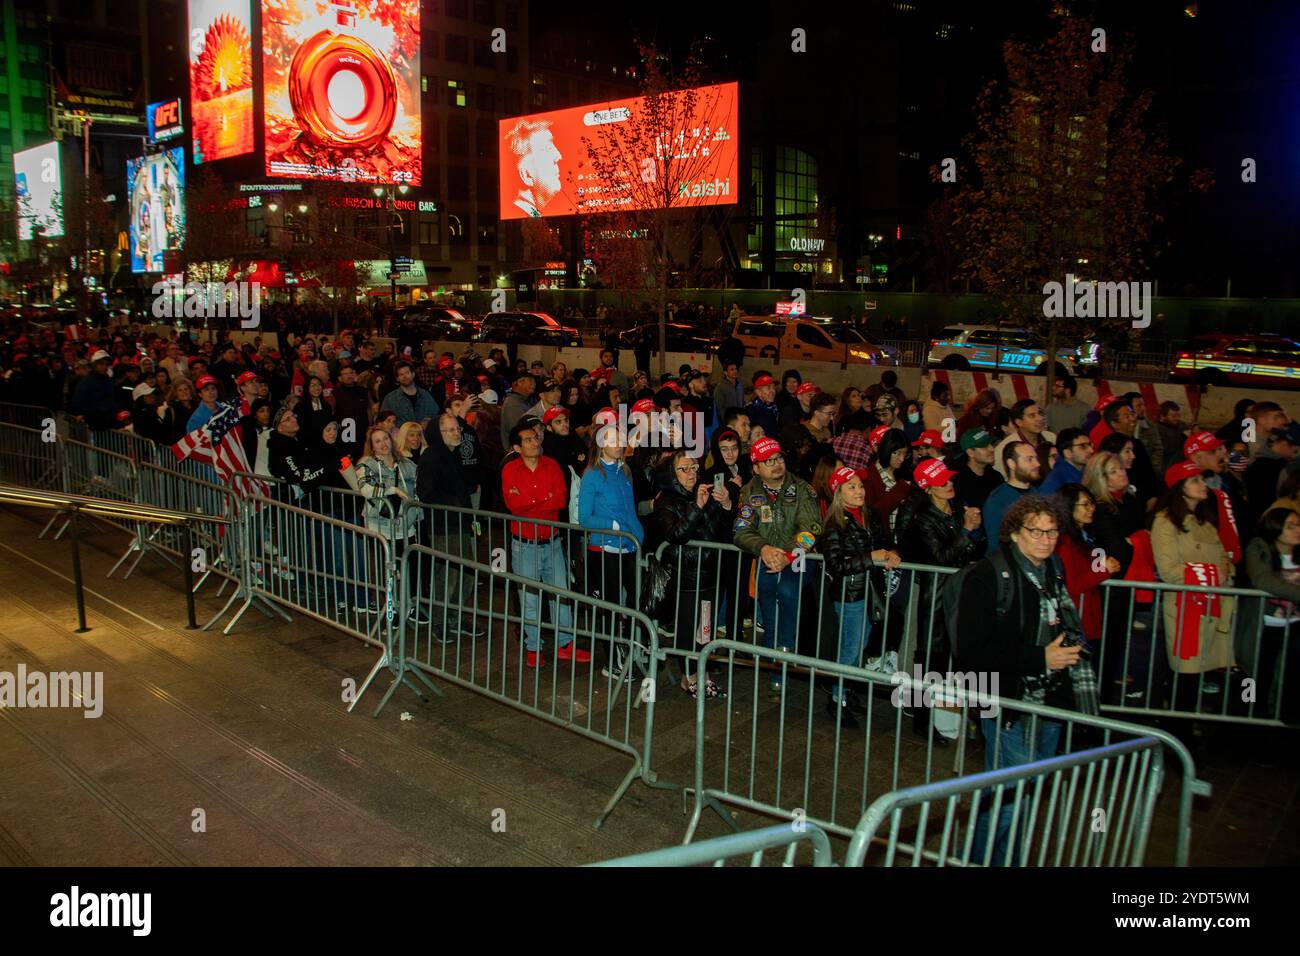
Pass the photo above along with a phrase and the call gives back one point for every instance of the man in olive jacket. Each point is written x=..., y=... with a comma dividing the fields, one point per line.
x=775, y=509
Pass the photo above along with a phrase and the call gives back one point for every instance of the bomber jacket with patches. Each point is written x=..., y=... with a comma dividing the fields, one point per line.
x=794, y=509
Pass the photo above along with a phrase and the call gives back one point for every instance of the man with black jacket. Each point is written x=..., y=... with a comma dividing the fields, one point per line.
x=443, y=477
x=1031, y=644
x=351, y=411
x=559, y=442
x=288, y=459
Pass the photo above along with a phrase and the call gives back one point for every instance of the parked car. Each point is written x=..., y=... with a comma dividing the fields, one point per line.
x=527, y=328
x=1228, y=359
x=980, y=348
x=786, y=338
x=420, y=323
x=681, y=337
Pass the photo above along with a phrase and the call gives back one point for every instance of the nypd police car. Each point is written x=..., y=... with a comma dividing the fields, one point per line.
x=992, y=348
x=1226, y=359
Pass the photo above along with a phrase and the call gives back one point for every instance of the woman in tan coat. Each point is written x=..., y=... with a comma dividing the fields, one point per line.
x=1185, y=539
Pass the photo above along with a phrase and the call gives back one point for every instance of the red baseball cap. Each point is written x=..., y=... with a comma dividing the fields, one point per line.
x=933, y=474
x=839, y=477
x=204, y=381
x=1200, y=441
x=764, y=380
x=929, y=439
x=606, y=416
x=644, y=406
x=876, y=434
x=246, y=377
x=554, y=412
x=763, y=449
x=1182, y=471
x=1105, y=401
x=446, y=362
x=808, y=388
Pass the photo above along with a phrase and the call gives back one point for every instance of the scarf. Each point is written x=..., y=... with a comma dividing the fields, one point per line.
x=1056, y=612
x=1228, y=535
x=1193, y=607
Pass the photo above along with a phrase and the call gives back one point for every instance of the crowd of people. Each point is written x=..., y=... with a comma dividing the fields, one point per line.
x=1055, y=500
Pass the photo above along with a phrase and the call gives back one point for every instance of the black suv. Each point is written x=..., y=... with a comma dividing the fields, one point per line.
x=527, y=328
x=418, y=323
x=680, y=337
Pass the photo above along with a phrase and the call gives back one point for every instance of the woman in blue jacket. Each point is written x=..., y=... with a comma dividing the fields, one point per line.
x=606, y=503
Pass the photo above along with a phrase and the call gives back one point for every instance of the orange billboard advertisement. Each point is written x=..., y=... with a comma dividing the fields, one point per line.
x=341, y=90
x=221, y=78
x=622, y=156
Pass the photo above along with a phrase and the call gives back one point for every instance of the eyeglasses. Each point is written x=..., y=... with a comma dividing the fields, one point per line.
x=689, y=469
x=775, y=459
x=1038, y=534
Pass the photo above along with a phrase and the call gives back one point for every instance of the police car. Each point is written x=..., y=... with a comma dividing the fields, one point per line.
x=1227, y=359
x=993, y=348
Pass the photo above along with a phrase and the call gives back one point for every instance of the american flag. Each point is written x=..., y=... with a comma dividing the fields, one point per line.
x=220, y=443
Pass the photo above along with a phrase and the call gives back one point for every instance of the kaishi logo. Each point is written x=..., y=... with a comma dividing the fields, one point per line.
x=77, y=909
x=704, y=187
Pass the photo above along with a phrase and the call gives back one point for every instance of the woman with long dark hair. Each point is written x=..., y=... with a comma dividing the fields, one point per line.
x=886, y=487
x=982, y=412
x=1076, y=548
x=1271, y=561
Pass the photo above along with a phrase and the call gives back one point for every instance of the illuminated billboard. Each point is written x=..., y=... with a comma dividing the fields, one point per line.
x=547, y=169
x=341, y=90
x=39, y=182
x=164, y=120
x=156, y=185
x=221, y=78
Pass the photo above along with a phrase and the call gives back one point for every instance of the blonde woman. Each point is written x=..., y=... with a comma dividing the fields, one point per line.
x=410, y=441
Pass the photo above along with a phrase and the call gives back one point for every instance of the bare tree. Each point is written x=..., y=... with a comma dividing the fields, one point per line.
x=654, y=165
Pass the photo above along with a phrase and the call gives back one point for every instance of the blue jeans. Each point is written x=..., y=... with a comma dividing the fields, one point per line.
x=544, y=562
x=778, y=602
x=1013, y=748
x=854, y=628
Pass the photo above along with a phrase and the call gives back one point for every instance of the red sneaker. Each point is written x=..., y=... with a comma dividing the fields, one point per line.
x=535, y=659
x=571, y=651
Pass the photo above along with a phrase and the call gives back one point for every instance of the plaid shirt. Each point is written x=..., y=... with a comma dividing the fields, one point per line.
x=853, y=450
x=426, y=376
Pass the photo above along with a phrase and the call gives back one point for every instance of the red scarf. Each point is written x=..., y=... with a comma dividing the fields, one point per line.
x=857, y=515
x=1228, y=536
x=1191, y=607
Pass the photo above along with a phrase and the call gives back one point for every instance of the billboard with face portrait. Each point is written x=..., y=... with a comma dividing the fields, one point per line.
x=39, y=182
x=156, y=185
x=547, y=168
x=221, y=78
x=341, y=90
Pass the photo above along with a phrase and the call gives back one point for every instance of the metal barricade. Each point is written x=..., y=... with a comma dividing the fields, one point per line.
x=28, y=460
x=219, y=550
x=751, y=843
x=27, y=416
x=1092, y=808
x=130, y=445
x=911, y=352
x=772, y=751
x=95, y=473
x=1146, y=667
x=578, y=662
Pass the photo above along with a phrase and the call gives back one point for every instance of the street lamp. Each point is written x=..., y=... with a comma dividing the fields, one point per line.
x=386, y=192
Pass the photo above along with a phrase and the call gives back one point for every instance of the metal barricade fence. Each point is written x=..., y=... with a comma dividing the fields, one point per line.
x=1148, y=666
x=578, y=662
x=771, y=751
x=1092, y=808
x=911, y=352
x=610, y=571
x=751, y=843
x=214, y=548
x=28, y=460
x=28, y=416
x=96, y=473
x=130, y=445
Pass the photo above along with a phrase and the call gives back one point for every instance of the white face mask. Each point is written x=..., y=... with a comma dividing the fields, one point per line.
x=913, y=417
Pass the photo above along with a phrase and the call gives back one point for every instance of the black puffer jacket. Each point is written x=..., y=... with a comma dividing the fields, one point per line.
x=928, y=536
x=677, y=520
x=847, y=554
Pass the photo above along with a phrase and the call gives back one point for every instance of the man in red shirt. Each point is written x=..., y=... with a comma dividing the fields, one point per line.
x=532, y=487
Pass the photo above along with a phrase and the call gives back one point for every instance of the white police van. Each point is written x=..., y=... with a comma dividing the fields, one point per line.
x=993, y=348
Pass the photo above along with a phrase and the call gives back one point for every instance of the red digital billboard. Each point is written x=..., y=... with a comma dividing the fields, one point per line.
x=547, y=167
x=221, y=78
x=341, y=89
